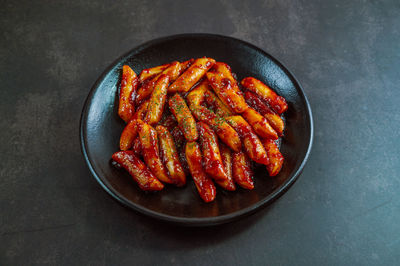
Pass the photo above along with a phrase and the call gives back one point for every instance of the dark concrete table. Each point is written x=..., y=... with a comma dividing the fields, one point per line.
x=344, y=209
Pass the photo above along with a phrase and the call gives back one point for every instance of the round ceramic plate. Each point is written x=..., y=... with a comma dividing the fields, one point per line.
x=100, y=129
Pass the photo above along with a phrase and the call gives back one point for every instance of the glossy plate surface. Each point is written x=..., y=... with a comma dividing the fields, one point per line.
x=100, y=129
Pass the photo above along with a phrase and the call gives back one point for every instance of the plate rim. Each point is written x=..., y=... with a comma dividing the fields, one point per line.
x=191, y=221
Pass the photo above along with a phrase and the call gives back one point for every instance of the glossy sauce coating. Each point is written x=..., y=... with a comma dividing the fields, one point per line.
x=151, y=72
x=226, y=156
x=141, y=111
x=212, y=157
x=202, y=95
x=172, y=71
x=277, y=103
x=129, y=84
x=275, y=157
x=145, y=90
x=247, y=123
x=157, y=100
x=137, y=146
x=259, y=124
x=196, y=96
x=168, y=120
x=204, y=184
x=241, y=168
x=169, y=156
x=185, y=65
x=138, y=170
x=180, y=142
x=224, y=131
x=251, y=143
x=218, y=106
x=226, y=87
x=273, y=118
x=192, y=75
x=226, y=71
x=186, y=122
x=128, y=135
x=150, y=152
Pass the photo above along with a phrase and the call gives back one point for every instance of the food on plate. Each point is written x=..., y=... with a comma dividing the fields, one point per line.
x=226, y=87
x=273, y=118
x=226, y=156
x=145, y=90
x=129, y=134
x=224, y=131
x=277, y=103
x=192, y=75
x=172, y=71
x=157, y=100
x=168, y=120
x=252, y=145
x=137, y=147
x=241, y=169
x=170, y=157
x=138, y=170
x=150, y=72
x=185, y=65
x=184, y=117
x=213, y=102
x=259, y=124
x=275, y=157
x=204, y=184
x=213, y=164
x=129, y=83
x=141, y=111
x=180, y=142
x=151, y=154
x=213, y=128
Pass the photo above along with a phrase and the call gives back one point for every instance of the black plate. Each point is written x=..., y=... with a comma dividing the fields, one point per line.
x=100, y=129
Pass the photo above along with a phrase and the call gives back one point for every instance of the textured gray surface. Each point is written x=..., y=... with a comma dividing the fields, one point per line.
x=343, y=210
